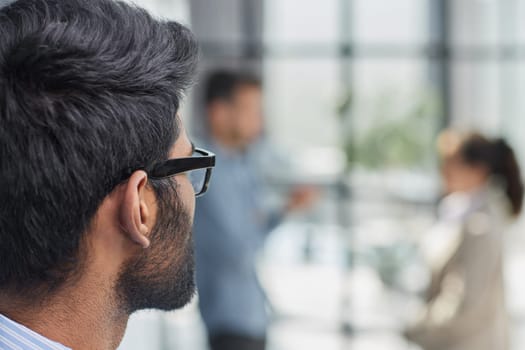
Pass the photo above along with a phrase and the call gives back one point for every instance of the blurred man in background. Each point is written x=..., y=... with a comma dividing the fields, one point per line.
x=232, y=220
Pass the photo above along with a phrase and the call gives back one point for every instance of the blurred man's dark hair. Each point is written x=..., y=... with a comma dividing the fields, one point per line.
x=222, y=84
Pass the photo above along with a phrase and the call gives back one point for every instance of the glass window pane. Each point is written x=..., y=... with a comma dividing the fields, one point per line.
x=519, y=13
x=301, y=21
x=476, y=102
x=301, y=101
x=391, y=22
x=474, y=22
x=177, y=10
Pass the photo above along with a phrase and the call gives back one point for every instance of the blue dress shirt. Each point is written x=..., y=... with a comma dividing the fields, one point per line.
x=14, y=336
x=230, y=226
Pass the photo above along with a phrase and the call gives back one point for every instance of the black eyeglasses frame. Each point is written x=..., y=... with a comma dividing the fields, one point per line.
x=172, y=167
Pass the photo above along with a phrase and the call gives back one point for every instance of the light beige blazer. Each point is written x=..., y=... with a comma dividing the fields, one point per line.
x=466, y=304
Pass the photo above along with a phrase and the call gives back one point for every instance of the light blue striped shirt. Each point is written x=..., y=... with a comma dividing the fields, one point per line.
x=14, y=336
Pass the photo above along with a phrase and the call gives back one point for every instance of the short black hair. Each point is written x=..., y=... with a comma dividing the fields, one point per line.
x=88, y=88
x=222, y=84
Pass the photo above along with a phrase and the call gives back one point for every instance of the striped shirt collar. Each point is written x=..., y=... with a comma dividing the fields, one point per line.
x=14, y=336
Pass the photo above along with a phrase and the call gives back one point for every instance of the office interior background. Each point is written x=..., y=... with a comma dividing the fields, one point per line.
x=356, y=92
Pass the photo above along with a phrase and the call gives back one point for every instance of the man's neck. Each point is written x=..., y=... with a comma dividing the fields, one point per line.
x=75, y=319
x=229, y=145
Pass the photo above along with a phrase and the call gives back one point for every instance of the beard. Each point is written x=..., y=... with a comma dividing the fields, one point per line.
x=162, y=276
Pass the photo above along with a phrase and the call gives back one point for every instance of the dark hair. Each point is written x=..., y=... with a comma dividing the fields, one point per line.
x=501, y=161
x=222, y=84
x=88, y=88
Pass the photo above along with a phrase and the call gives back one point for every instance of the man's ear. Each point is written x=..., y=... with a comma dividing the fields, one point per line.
x=133, y=211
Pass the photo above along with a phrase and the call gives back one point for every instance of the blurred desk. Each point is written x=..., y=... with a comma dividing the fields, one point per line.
x=306, y=295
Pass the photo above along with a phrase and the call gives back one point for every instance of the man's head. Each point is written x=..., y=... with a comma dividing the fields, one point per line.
x=234, y=106
x=90, y=89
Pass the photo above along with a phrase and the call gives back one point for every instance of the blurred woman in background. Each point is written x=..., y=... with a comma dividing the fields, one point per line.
x=465, y=307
